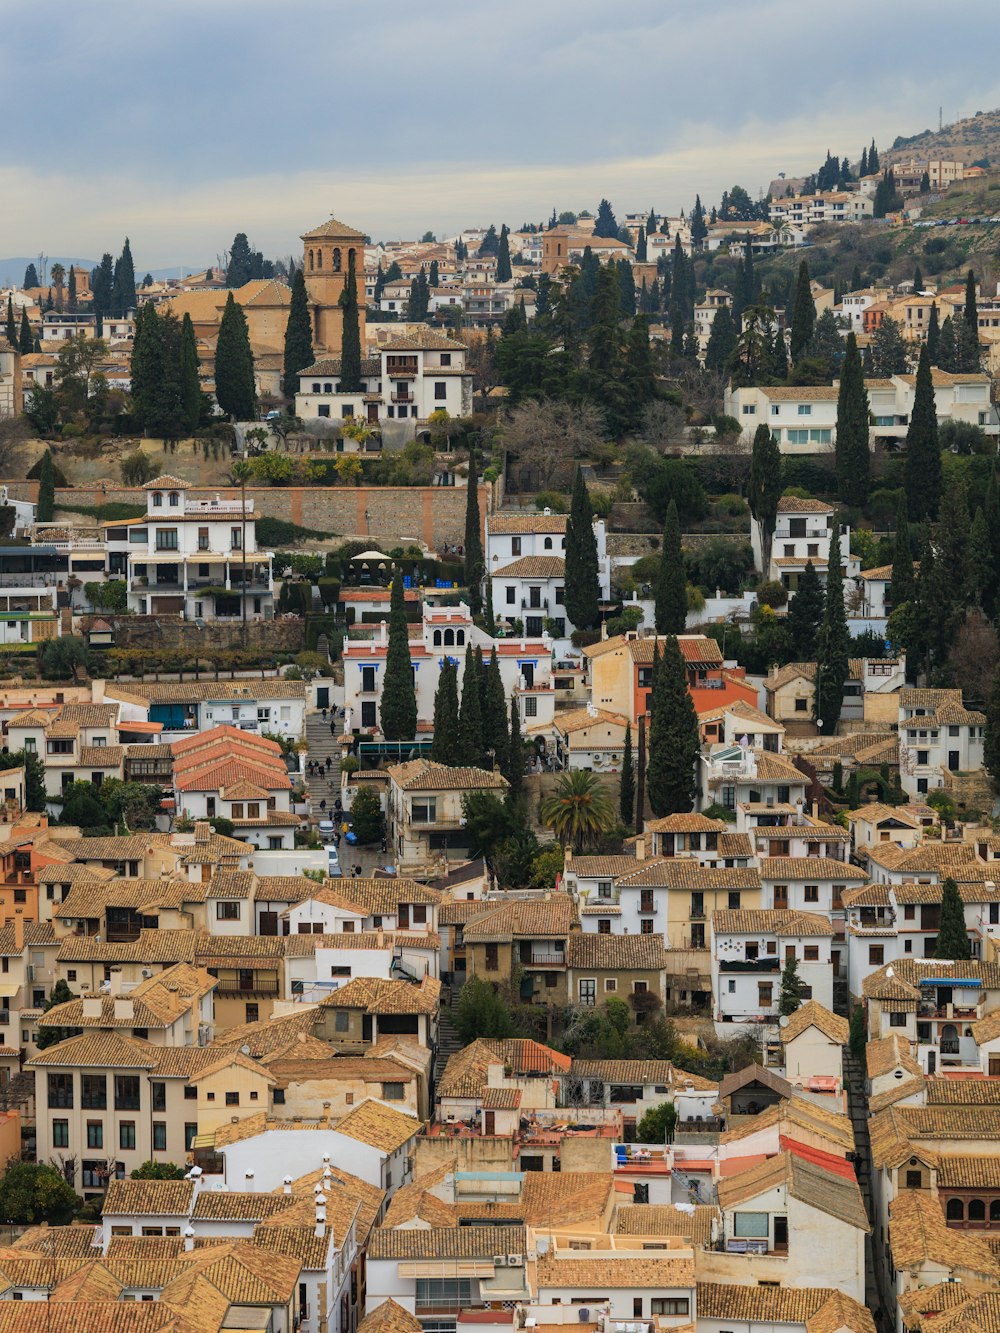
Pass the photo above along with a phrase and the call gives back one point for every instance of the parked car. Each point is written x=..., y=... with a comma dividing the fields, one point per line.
x=333, y=869
x=326, y=829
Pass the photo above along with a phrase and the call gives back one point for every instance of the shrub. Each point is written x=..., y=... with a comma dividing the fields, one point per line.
x=366, y=816
x=553, y=500
x=137, y=469
x=277, y=532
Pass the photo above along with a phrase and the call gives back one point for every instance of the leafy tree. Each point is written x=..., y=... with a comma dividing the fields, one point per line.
x=399, y=700
x=671, y=583
x=245, y=264
x=952, y=937
x=64, y=658
x=298, y=336
x=582, y=585
x=366, y=815
x=481, y=1013
x=46, y=490
x=503, y=255
x=803, y=313
x=50, y=1035
x=579, y=810
x=790, y=997
x=475, y=562
x=235, y=388
x=81, y=807
x=488, y=821
x=159, y=1171
x=858, y=1038
x=923, y=454
x=447, y=745
x=764, y=487
x=657, y=1124
x=673, y=735
x=833, y=657
x=34, y=1192
x=350, y=346
x=605, y=224
x=626, y=793
x=805, y=615
x=471, y=713
x=853, y=455
x=190, y=383
x=34, y=776
x=490, y=244
x=888, y=350
x=721, y=341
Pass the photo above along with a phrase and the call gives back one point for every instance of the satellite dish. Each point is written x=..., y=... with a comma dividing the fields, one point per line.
x=245, y=1049
x=783, y=1021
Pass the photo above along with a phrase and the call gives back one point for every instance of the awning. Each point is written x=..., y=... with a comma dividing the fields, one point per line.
x=204, y=1140
x=9, y=988
x=969, y=983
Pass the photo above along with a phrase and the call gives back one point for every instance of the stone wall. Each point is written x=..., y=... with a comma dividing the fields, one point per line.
x=170, y=634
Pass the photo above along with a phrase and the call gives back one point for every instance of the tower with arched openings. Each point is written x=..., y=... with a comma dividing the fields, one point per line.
x=326, y=252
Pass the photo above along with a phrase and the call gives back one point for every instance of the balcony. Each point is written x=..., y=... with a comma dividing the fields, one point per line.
x=949, y=1045
x=750, y=965
x=544, y=960
x=401, y=398
x=255, y=987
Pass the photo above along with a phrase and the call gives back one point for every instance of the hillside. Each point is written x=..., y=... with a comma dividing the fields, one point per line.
x=976, y=139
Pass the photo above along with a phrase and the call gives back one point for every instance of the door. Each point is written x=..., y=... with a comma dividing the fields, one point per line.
x=931, y=1062
x=366, y=1027
x=268, y=923
x=953, y=760
x=491, y=1122
x=323, y=696
x=781, y=1233
x=373, y=414
x=780, y=897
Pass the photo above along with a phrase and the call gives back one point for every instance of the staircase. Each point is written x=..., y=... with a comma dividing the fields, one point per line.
x=321, y=746
x=449, y=1042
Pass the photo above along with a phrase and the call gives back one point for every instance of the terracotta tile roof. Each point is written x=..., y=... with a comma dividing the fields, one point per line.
x=30, y=719
x=467, y=1071
x=613, y=953
x=378, y=1125
x=897, y=1092
x=430, y=341
x=110, y=1316
x=519, y=524
x=231, y=884
x=568, y=1196
x=665, y=1219
x=580, y=719
x=547, y=918
x=796, y=504
x=167, y=482
x=962, y=1092
x=376, y=995
x=657, y=1073
x=918, y=1235
x=900, y=1131
x=807, y=1181
x=813, y=1014
x=792, y=1114
x=381, y=897
x=531, y=567
x=389, y=1317
x=446, y=1243
x=766, y=921
x=609, y=1272
x=888, y=1053
x=684, y=872
x=422, y=775
x=808, y=867
x=152, y=946
x=841, y=1314
x=94, y=1049
x=36, y=934
x=132, y=847
x=158, y=1197
x=754, y=1304
x=501, y=1099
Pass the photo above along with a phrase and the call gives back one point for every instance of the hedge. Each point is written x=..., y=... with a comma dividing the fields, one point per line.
x=278, y=532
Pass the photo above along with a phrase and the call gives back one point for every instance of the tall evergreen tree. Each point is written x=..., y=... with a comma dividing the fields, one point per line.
x=764, y=488
x=239, y=270
x=952, y=936
x=971, y=313
x=298, y=336
x=671, y=583
x=874, y=165
x=918, y=279
x=235, y=388
x=721, y=341
x=863, y=168
x=639, y=373
x=31, y=277
x=933, y=335
x=494, y=712
x=447, y=748
x=641, y=249
x=698, y=228
x=350, y=344
x=434, y=275
x=503, y=255
x=626, y=791
x=71, y=301
x=901, y=588
x=947, y=347
x=834, y=647
x=805, y=616
x=605, y=225
x=475, y=563
x=398, y=706
x=792, y=984
x=102, y=292
x=27, y=341
x=922, y=473
x=11, y=329
x=46, y=503
x=980, y=561
x=470, y=714
x=991, y=513
x=651, y=223
x=514, y=770
x=674, y=745
x=123, y=294
x=190, y=383
x=853, y=455
x=583, y=588
x=803, y=313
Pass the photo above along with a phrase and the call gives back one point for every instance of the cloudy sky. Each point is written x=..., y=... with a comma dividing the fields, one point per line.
x=180, y=122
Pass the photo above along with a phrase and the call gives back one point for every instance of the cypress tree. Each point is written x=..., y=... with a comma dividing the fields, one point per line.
x=952, y=937
x=30, y=277
x=640, y=246
x=27, y=341
x=298, y=336
x=980, y=560
x=475, y=563
x=489, y=620
x=677, y=333
x=639, y=372
x=852, y=453
x=803, y=313
x=71, y=302
x=46, y=489
x=918, y=280
x=470, y=720
x=764, y=488
x=833, y=649
x=626, y=792
x=235, y=389
x=902, y=586
x=514, y=770
x=143, y=361
x=495, y=734
x=721, y=341
x=583, y=589
x=863, y=168
x=991, y=512
x=933, y=335
x=434, y=277
x=123, y=297
x=673, y=735
x=102, y=292
x=503, y=255
x=991, y=741
x=790, y=997
x=805, y=615
x=923, y=453
x=874, y=164
x=970, y=313
x=350, y=343
x=190, y=383
x=447, y=747
x=671, y=583
x=399, y=701
x=11, y=330
x=947, y=346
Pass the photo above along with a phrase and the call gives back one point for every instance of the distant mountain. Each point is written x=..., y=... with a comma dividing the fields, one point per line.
x=976, y=139
x=12, y=270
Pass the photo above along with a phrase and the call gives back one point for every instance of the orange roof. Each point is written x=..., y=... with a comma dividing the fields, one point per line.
x=146, y=728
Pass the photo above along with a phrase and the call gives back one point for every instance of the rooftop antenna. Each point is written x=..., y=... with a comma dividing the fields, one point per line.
x=43, y=263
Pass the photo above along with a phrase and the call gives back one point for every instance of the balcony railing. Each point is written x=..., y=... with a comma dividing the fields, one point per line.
x=251, y=988
x=949, y=1045
x=548, y=960
x=750, y=965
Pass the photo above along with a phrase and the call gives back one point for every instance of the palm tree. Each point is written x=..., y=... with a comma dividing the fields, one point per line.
x=579, y=809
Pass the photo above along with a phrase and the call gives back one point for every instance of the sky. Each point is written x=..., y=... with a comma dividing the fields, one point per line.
x=181, y=122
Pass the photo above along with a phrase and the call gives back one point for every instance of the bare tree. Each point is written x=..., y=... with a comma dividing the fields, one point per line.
x=972, y=662
x=546, y=436
x=663, y=425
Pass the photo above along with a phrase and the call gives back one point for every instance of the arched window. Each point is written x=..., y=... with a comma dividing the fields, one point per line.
x=437, y=638
x=319, y=258
x=459, y=638
x=955, y=1211
x=977, y=1210
x=449, y=638
x=352, y=254
x=336, y=260
x=995, y=1210
x=564, y=543
x=547, y=544
x=310, y=261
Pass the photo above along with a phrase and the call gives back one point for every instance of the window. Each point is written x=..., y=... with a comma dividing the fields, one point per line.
x=393, y=1092
x=126, y=1092
x=94, y=1092
x=914, y=1180
x=610, y=985
x=669, y=1305
x=734, y=901
x=157, y=500
x=805, y=409
x=646, y=926
x=343, y=1022
x=440, y=390
x=492, y=957
x=811, y=893
x=749, y=410
x=750, y=1226
x=323, y=410
x=604, y=925
x=510, y=595
x=530, y=706
x=126, y=1134
x=190, y=1093
x=764, y=994
x=446, y=358
x=232, y=1099
x=560, y=595
x=423, y=811
x=95, y=1134
x=876, y=955
x=588, y=991
x=190, y=1134
x=278, y=1096
x=159, y=1136
x=810, y=953
x=174, y=499
x=226, y=912
x=61, y=1090
x=159, y=1095
x=60, y=1133
x=166, y=539
x=235, y=538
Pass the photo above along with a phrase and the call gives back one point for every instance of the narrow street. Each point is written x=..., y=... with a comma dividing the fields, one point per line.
x=854, y=1076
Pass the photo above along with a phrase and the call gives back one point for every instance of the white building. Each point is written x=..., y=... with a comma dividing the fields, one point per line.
x=197, y=558
x=525, y=559
x=937, y=734
x=804, y=534
x=832, y=206
x=750, y=949
x=732, y=776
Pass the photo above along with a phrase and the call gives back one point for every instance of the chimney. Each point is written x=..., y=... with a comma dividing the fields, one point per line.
x=189, y=1238
x=19, y=933
x=286, y=1185
x=383, y=635
x=320, y=1215
x=640, y=847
